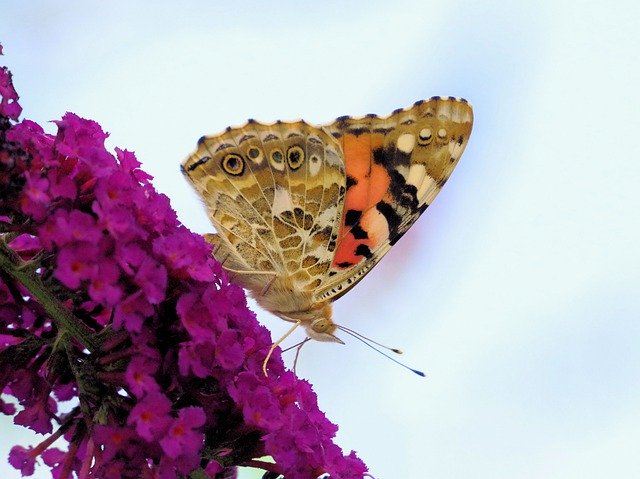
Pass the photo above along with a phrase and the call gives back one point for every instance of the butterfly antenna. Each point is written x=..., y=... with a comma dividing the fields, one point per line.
x=353, y=333
x=366, y=340
x=295, y=360
x=297, y=345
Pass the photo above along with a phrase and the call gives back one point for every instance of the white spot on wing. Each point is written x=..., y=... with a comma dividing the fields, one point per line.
x=425, y=134
x=314, y=165
x=376, y=225
x=427, y=190
x=281, y=201
x=416, y=174
x=406, y=142
x=278, y=165
x=455, y=149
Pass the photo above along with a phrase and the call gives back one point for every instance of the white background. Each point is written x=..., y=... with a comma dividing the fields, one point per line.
x=517, y=292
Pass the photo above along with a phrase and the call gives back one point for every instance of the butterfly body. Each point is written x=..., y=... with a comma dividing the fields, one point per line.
x=304, y=212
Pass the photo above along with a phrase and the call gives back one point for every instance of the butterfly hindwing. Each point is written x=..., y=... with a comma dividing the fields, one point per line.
x=275, y=195
x=395, y=167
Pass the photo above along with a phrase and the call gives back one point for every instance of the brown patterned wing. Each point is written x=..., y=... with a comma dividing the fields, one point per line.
x=274, y=194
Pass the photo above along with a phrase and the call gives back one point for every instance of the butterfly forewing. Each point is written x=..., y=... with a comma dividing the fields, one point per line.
x=411, y=153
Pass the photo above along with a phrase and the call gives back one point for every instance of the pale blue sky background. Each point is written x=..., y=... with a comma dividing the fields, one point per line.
x=517, y=292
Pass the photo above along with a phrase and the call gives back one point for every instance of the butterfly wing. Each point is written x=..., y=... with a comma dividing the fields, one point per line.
x=275, y=196
x=395, y=167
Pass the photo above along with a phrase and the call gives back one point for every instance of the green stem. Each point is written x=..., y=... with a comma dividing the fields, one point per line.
x=13, y=265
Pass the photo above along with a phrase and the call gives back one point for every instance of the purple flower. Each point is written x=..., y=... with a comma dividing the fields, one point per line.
x=31, y=138
x=37, y=416
x=129, y=163
x=183, y=253
x=114, y=440
x=151, y=277
x=23, y=459
x=181, y=437
x=131, y=312
x=84, y=139
x=196, y=317
x=7, y=408
x=125, y=312
x=103, y=286
x=139, y=376
x=36, y=198
x=150, y=416
x=66, y=392
x=9, y=105
x=76, y=263
x=196, y=359
x=66, y=227
x=119, y=221
x=229, y=353
x=54, y=458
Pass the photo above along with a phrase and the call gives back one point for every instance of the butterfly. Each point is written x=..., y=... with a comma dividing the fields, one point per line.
x=304, y=212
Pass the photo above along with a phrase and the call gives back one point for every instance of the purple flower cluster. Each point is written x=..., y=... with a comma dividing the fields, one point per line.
x=108, y=302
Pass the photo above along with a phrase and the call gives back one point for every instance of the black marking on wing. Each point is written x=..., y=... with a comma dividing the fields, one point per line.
x=359, y=131
x=393, y=219
x=358, y=232
x=363, y=250
x=199, y=162
x=404, y=194
x=224, y=146
x=391, y=157
x=352, y=217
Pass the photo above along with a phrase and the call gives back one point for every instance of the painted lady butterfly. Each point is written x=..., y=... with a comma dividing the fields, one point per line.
x=304, y=212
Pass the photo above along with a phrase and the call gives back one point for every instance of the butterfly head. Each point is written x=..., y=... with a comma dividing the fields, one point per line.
x=322, y=329
x=318, y=323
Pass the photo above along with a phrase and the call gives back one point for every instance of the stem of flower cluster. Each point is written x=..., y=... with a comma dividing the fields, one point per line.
x=13, y=265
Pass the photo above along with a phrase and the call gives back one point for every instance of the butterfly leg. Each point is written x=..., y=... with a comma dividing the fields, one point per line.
x=295, y=360
x=276, y=344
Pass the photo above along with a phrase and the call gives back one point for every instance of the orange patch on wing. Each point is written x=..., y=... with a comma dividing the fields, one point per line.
x=372, y=184
x=345, y=252
x=372, y=180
